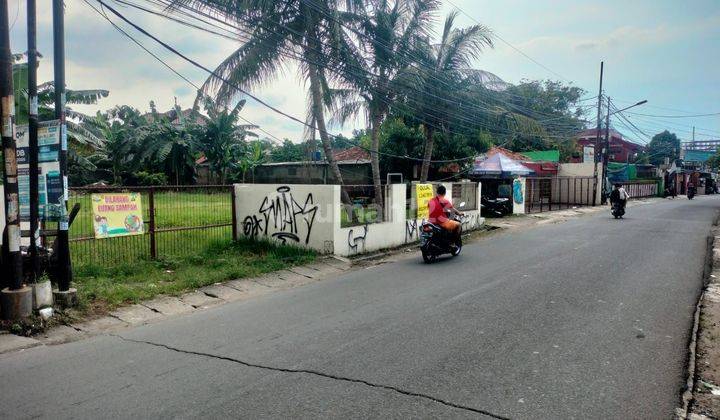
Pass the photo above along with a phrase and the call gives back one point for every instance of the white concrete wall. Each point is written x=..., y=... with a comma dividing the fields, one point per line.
x=302, y=215
x=577, y=169
x=581, y=169
x=309, y=216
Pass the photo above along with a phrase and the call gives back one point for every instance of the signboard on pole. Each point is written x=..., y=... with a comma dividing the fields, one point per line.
x=424, y=193
x=117, y=214
x=50, y=188
x=589, y=154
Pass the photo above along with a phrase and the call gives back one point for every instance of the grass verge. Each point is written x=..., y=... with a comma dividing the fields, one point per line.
x=103, y=288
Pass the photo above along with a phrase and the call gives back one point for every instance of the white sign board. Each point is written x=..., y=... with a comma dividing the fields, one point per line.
x=50, y=187
x=588, y=154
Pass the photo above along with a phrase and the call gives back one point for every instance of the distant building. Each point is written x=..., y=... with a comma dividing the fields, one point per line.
x=354, y=166
x=621, y=150
x=704, y=145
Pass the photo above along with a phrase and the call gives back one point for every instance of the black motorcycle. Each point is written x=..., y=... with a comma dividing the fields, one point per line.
x=618, y=210
x=436, y=241
x=496, y=207
x=691, y=193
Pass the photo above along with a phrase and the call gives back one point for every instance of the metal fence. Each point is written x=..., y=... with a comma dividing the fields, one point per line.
x=178, y=221
x=364, y=209
x=641, y=189
x=557, y=193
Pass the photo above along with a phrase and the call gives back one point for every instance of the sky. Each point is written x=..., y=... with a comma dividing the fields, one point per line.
x=663, y=51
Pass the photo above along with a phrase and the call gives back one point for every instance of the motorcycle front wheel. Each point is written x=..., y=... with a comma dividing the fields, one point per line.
x=427, y=256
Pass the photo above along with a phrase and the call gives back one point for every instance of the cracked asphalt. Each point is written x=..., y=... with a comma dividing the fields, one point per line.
x=589, y=318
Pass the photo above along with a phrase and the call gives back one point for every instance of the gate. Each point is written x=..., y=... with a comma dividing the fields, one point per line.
x=640, y=189
x=178, y=221
x=557, y=193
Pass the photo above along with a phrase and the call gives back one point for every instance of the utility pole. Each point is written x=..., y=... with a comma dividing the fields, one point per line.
x=597, y=136
x=15, y=300
x=606, y=154
x=33, y=137
x=65, y=296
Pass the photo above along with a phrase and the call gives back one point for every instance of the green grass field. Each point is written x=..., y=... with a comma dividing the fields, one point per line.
x=103, y=287
x=172, y=210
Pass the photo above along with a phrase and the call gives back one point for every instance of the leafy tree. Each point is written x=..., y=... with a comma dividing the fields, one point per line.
x=443, y=76
x=118, y=129
x=220, y=135
x=250, y=159
x=663, y=145
x=168, y=144
x=288, y=152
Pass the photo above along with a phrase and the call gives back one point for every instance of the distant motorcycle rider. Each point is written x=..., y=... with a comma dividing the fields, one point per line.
x=619, y=195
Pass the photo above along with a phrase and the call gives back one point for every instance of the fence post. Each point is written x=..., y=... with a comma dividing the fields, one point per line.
x=151, y=224
x=234, y=213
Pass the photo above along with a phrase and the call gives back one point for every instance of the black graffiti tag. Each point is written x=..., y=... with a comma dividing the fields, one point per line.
x=355, y=240
x=284, y=212
x=252, y=226
x=411, y=229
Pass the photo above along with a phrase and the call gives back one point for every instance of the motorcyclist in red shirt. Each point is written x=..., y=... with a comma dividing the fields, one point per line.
x=440, y=208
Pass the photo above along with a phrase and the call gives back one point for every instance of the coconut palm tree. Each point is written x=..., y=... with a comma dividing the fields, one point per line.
x=281, y=31
x=444, y=73
x=388, y=40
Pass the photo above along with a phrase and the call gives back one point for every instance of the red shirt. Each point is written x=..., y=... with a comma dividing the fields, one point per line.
x=437, y=208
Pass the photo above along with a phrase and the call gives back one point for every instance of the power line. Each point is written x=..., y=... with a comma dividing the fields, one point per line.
x=676, y=116
x=254, y=24
x=164, y=63
x=492, y=128
x=513, y=47
x=257, y=99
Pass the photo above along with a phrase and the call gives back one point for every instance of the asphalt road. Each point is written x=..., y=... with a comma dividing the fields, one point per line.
x=589, y=318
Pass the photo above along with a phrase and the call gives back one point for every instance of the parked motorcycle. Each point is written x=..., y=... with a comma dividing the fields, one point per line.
x=618, y=210
x=496, y=207
x=691, y=193
x=436, y=241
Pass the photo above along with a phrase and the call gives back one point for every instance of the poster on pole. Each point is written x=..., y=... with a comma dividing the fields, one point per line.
x=424, y=193
x=117, y=214
x=50, y=188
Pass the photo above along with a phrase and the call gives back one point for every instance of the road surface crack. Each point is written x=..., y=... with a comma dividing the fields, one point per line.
x=320, y=374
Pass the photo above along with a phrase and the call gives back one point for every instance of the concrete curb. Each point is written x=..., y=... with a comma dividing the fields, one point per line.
x=709, y=296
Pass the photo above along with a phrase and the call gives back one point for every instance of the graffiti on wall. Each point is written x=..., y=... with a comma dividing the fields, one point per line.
x=355, y=239
x=470, y=221
x=284, y=214
x=412, y=229
x=518, y=193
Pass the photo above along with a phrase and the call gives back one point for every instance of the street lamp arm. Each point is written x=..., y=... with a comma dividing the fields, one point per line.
x=631, y=106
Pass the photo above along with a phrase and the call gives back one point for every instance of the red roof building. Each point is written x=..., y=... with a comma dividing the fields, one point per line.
x=621, y=150
x=353, y=154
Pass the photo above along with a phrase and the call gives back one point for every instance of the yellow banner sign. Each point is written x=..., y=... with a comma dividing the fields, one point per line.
x=117, y=214
x=424, y=193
